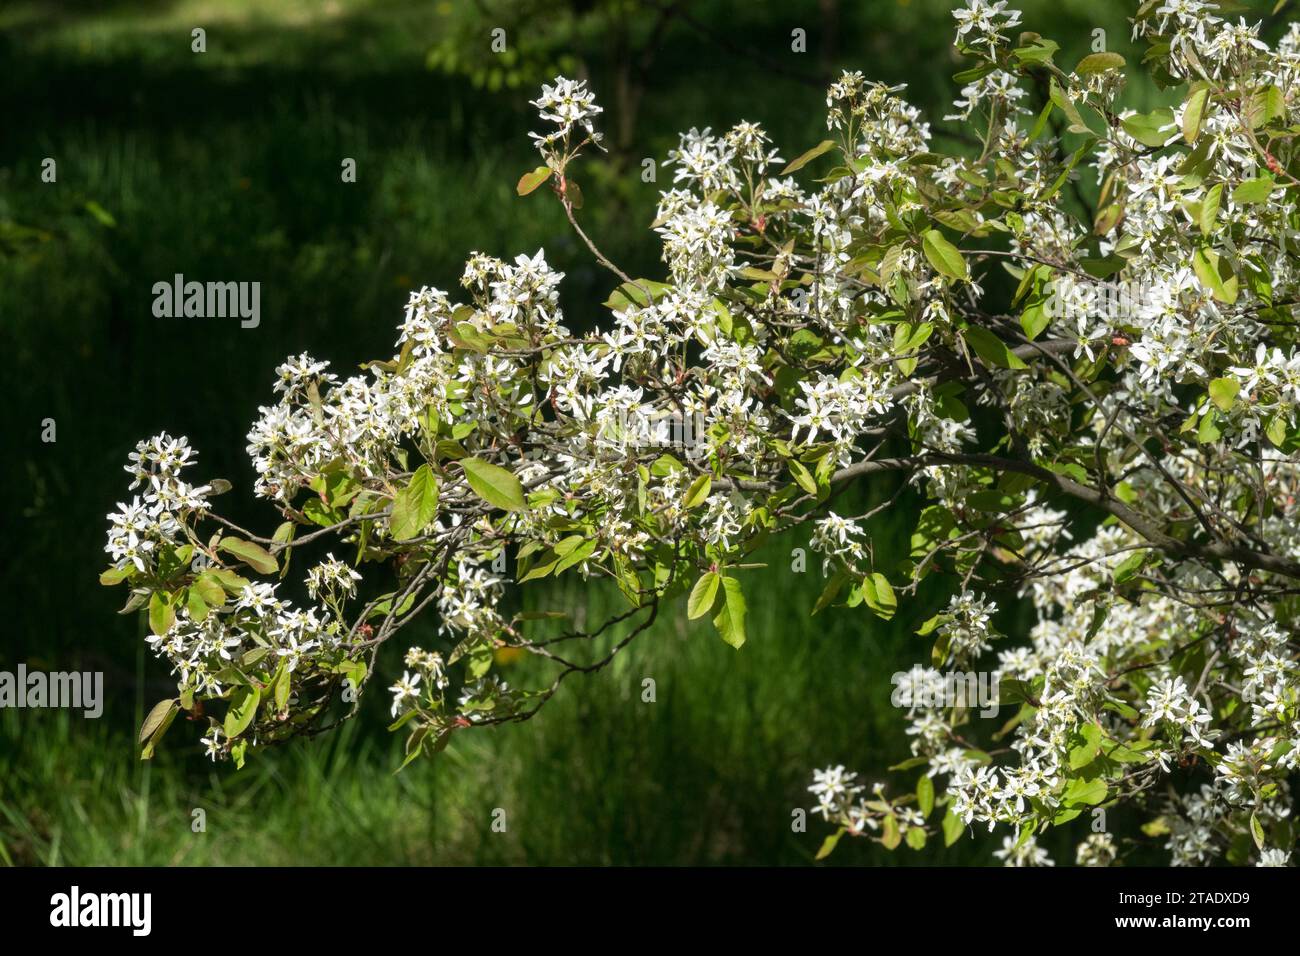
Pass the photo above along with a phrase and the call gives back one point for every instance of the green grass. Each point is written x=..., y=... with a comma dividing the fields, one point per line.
x=710, y=772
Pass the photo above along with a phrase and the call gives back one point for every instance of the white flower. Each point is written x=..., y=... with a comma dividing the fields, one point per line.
x=567, y=103
x=406, y=688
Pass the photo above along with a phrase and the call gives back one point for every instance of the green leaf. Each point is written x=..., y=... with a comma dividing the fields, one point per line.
x=494, y=484
x=1194, y=113
x=415, y=505
x=1085, y=792
x=210, y=589
x=1215, y=274
x=730, y=621
x=232, y=582
x=161, y=712
x=1086, y=752
x=889, y=835
x=703, y=595
x=1150, y=129
x=1012, y=691
x=1254, y=190
x=1156, y=828
x=916, y=838
x=803, y=477
x=1129, y=567
x=952, y=828
x=283, y=677
x=1276, y=430
x=1265, y=106
x=1210, y=208
x=1208, y=430
x=102, y=215
x=198, y=608
x=831, y=591
x=530, y=181
x=698, y=492
x=243, y=707
x=1099, y=63
x=1040, y=124
x=1223, y=392
x=828, y=845
x=990, y=348
x=161, y=613
x=1066, y=105
x=545, y=564
x=1034, y=320
x=1257, y=831
x=884, y=591
x=116, y=575
x=1037, y=50
x=577, y=555
x=879, y=596
x=911, y=763
x=800, y=162
x=943, y=255
x=253, y=555
x=925, y=795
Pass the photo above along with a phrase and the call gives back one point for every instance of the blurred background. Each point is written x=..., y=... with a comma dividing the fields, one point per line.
x=225, y=165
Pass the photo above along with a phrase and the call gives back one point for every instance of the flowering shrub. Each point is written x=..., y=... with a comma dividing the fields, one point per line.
x=1131, y=476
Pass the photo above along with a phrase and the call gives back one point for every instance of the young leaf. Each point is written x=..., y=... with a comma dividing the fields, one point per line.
x=1215, y=274
x=1223, y=392
x=800, y=162
x=890, y=836
x=703, y=595
x=530, y=181
x=283, y=676
x=925, y=795
x=943, y=255
x=1099, y=63
x=243, y=707
x=1210, y=208
x=952, y=828
x=1194, y=113
x=253, y=555
x=198, y=608
x=156, y=716
x=115, y=575
x=161, y=614
x=803, y=477
x=1150, y=129
x=828, y=845
x=884, y=595
x=698, y=492
x=730, y=621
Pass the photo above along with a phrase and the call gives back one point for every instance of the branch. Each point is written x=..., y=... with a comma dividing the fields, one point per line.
x=1155, y=536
